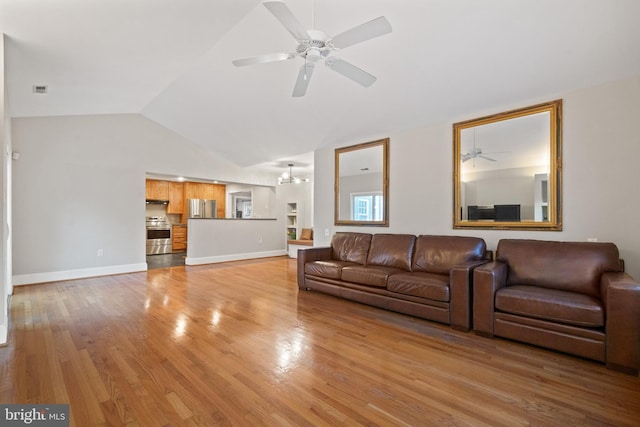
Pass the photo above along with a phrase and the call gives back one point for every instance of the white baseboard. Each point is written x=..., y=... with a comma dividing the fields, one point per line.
x=56, y=276
x=3, y=334
x=233, y=257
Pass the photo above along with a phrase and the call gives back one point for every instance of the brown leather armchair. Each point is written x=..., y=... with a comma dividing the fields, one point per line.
x=573, y=297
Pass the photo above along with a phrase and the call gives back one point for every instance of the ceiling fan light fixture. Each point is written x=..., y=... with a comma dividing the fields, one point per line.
x=313, y=55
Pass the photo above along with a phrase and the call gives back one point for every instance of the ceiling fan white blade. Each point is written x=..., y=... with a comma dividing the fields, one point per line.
x=350, y=71
x=262, y=59
x=362, y=32
x=487, y=158
x=304, y=76
x=287, y=19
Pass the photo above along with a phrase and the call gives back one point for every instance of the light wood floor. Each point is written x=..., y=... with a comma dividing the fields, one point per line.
x=237, y=344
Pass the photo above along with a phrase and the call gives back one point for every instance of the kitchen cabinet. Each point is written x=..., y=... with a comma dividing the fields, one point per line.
x=176, y=198
x=220, y=195
x=203, y=190
x=179, y=238
x=195, y=190
x=157, y=190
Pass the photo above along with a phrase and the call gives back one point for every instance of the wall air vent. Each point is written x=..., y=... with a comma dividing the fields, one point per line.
x=40, y=89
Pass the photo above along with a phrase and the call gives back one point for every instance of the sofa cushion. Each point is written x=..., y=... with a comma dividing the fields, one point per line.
x=565, y=266
x=437, y=254
x=352, y=247
x=391, y=250
x=550, y=304
x=424, y=285
x=370, y=275
x=330, y=269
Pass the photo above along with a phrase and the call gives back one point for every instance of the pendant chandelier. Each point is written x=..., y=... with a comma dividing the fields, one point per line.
x=288, y=178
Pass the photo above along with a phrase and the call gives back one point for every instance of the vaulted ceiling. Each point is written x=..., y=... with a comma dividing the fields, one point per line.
x=171, y=61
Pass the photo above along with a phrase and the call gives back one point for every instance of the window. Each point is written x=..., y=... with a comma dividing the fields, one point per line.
x=367, y=206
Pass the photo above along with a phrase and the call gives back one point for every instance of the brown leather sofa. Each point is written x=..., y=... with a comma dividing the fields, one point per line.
x=424, y=276
x=573, y=297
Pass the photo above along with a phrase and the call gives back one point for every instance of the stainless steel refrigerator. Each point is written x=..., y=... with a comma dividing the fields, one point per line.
x=201, y=208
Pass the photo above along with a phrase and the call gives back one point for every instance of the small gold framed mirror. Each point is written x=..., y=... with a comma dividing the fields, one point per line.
x=507, y=170
x=362, y=184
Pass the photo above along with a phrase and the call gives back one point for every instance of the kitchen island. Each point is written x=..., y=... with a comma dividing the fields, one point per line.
x=212, y=240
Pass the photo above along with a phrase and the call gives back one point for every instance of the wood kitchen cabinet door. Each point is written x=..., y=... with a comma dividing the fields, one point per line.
x=220, y=195
x=157, y=190
x=202, y=190
x=176, y=198
x=178, y=238
x=208, y=191
x=193, y=190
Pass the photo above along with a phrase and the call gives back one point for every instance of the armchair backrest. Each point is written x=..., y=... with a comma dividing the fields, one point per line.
x=437, y=254
x=567, y=266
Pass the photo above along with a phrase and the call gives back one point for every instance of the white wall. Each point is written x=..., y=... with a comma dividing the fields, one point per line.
x=263, y=201
x=301, y=193
x=219, y=240
x=5, y=191
x=79, y=186
x=601, y=150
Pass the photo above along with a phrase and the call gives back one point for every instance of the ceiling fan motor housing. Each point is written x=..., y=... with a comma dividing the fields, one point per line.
x=315, y=48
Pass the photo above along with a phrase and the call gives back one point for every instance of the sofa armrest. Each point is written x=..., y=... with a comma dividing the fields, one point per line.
x=310, y=255
x=621, y=296
x=460, y=280
x=487, y=279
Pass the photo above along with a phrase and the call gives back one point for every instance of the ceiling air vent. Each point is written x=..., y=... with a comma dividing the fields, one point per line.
x=40, y=89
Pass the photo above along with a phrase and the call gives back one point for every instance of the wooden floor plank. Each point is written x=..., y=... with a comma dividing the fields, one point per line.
x=238, y=344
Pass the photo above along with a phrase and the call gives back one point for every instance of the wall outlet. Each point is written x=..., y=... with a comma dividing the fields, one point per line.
x=326, y=232
x=100, y=252
x=592, y=239
x=260, y=240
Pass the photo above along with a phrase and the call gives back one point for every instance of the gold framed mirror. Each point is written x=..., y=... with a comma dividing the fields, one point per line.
x=362, y=184
x=507, y=170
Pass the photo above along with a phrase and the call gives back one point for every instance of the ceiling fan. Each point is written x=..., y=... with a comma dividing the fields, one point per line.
x=315, y=45
x=474, y=153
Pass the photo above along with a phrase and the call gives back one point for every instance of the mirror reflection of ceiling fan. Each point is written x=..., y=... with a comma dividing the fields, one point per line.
x=315, y=45
x=476, y=152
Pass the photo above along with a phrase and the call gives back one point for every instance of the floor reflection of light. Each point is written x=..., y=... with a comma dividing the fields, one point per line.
x=290, y=351
x=215, y=318
x=147, y=303
x=181, y=326
x=165, y=300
